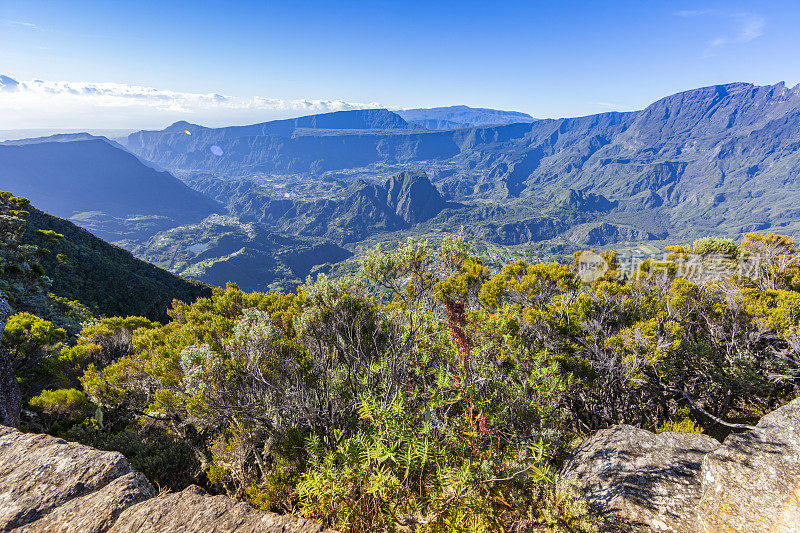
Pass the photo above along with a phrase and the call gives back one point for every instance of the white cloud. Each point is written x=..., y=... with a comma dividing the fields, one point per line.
x=63, y=104
x=609, y=105
x=19, y=23
x=744, y=27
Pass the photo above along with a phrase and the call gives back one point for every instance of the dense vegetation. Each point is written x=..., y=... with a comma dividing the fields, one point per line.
x=425, y=393
x=57, y=270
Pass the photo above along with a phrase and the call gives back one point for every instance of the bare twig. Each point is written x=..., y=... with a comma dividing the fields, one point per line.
x=709, y=415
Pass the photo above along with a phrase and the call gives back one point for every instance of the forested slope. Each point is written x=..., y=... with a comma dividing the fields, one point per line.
x=104, y=277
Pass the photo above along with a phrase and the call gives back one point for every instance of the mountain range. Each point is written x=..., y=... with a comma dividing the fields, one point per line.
x=719, y=159
x=211, y=202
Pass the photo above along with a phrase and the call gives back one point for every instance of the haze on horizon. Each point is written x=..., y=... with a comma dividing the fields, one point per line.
x=95, y=65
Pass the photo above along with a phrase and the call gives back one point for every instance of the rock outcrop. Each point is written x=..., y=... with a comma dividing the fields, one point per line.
x=752, y=482
x=688, y=482
x=413, y=197
x=48, y=484
x=639, y=481
x=39, y=474
x=10, y=397
x=194, y=511
x=96, y=511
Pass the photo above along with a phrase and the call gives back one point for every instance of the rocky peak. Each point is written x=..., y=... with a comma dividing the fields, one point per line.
x=413, y=197
x=581, y=200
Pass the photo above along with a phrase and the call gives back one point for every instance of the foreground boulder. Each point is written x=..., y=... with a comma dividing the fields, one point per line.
x=97, y=511
x=48, y=484
x=39, y=473
x=752, y=482
x=194, y=511
x=639, y=481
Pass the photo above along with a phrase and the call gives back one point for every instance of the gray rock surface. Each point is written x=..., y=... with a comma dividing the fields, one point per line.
x=639, y=481
x=39, y=473
x=48, y=484
x=192, y=510
x=752, y=482
x=413, y=197
x=97, y=511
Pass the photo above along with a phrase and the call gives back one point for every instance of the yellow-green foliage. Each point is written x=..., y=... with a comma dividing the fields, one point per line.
x=107, y=327
x=778, y=309
x=69, y=403
x=563, y=509
x=66, y=368
x=27, y=334
x=716, y=245
x=687, y=425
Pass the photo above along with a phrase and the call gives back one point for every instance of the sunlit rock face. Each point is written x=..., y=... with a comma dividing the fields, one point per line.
x=636, y=480
x=639, y=481
x=752, y=482
x=48, y=484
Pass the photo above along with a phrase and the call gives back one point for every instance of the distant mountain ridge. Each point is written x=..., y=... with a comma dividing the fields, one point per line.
x=719, y=160
x=461, y=116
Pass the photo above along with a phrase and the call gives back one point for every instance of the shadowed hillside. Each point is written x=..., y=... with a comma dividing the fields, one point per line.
x=100, y=186
x=104, y=277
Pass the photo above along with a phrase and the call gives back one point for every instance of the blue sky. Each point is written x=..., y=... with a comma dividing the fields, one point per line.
x=548, y=59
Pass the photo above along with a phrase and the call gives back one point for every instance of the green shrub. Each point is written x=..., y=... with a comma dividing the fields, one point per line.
x=716, y=245
x=65, y=403
x=26, y=334
x=687, y=425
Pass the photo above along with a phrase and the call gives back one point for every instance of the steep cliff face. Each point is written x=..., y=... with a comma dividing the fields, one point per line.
x=413, y=197
x=47, y=484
